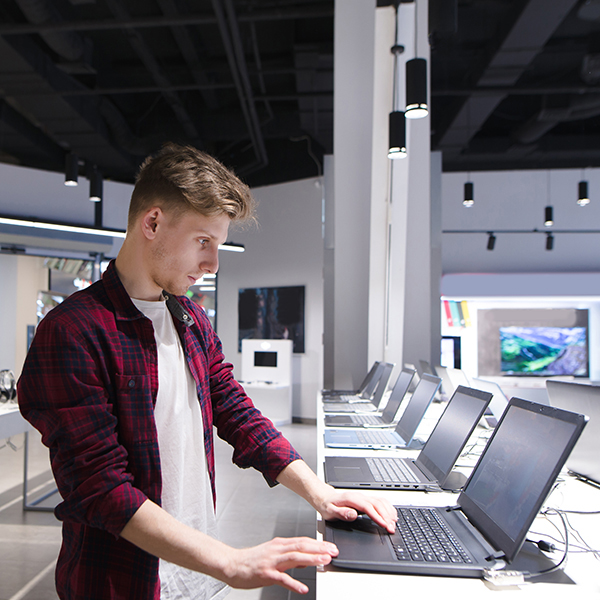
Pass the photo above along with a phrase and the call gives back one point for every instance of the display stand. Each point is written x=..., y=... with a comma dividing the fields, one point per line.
x=267, y=377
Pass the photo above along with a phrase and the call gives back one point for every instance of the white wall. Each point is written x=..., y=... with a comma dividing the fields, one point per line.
x=286, y=249
x=512, y=200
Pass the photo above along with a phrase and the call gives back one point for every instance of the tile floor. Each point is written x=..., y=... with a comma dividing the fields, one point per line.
x=249, y=513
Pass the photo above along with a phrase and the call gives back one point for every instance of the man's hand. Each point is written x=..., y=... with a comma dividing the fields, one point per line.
x=266, y=564
x=157, y=532
x=334, y=504
x=347, y=505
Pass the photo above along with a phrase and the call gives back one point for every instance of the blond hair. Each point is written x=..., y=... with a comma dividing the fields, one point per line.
x=182, y=178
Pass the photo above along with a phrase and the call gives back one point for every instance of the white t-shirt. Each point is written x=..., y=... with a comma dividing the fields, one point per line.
x=186, y=490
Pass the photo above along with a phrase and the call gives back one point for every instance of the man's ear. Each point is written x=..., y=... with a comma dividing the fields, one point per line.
x=150, y=221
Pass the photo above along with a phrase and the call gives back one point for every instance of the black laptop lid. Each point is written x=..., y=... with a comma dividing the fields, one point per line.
x=397, y=395
x=517, y=469
x=452, y=431
x=386, y=373
x=413, y=413
x=367, y=391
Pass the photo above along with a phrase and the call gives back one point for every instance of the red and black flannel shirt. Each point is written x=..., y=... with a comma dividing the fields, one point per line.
x=89, y=385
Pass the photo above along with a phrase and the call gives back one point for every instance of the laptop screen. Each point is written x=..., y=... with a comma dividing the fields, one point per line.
x=414, y=411
x=451, y=432
x=400, y=389
x=517, y=470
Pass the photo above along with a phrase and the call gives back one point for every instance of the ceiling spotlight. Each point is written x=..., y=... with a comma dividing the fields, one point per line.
x=71, y=169
x=491, y=243
x=95, y=186
x=584, y=197
x=548, y=216
x=468, y=200
x=397, y=135
x=549, y=241
x=416, y=89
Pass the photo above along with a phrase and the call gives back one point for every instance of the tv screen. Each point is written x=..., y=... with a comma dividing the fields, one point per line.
x=265, y=359
x=272, y=314
x=544, y=351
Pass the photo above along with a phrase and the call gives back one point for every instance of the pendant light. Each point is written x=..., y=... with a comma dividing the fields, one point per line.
x=468, y=199
x=397, y=121
x=583, y=196
x=416, y=82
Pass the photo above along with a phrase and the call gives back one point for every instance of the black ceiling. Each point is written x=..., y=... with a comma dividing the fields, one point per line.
x=514, y=83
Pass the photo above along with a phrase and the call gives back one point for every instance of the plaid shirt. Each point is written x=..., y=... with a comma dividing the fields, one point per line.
x=89, y=385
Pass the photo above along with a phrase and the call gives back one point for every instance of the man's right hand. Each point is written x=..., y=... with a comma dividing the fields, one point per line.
x=266, y=564
x=154, y=530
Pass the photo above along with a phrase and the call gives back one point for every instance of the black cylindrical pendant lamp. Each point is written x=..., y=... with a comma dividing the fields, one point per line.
x=416, y=88
x=549, y=241
x=96, y=185
x=71, y=169
x=397, y=135
x=491, y=241
x=468, y=199
x=548, y=216
x=583, y=196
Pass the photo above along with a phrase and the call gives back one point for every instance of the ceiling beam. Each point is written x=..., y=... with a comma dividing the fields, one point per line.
x=532, y=29
x=284, y=14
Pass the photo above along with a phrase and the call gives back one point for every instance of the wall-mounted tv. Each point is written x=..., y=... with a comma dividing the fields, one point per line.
x=275, y=313
x=544, y=351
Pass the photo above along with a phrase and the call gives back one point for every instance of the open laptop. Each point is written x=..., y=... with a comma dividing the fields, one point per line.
x=432, y=469
x=366, y=388
x=403, y=434
x=388, y=415
x=584, y=461
x=498, y=403
x=447, y=388
x=357, y=404
x=494, y=511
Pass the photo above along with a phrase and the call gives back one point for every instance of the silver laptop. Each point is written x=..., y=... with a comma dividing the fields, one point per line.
x=584, y=461
x=386, y=419
x=365, y=389
x=357, y=404
x=497, y=405
x=483, y=531
x=432, y=469
x=402, y=436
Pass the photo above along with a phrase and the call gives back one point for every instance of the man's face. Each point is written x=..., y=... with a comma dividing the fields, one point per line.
x=185, y=248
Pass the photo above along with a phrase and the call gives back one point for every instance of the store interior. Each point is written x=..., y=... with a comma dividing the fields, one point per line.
x=390, y=258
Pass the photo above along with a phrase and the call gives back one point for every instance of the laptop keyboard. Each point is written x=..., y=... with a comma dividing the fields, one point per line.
x=389, y=470
x=373, y=437
x=362, y=419
x=423, y=536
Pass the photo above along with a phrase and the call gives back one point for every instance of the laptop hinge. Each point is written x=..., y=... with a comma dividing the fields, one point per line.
x=498, y=555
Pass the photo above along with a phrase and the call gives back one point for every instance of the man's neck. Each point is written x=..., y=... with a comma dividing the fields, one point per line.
x=133, y=276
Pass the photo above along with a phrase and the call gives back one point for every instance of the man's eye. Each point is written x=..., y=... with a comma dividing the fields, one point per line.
x=203, y=242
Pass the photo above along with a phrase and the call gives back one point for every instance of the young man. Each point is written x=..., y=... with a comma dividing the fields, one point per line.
x=125, y=381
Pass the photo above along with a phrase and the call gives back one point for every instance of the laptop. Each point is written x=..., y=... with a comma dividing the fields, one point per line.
x=388, y=415
x=584, y=461
x=497, y=405
x=402, y=436
x=359, y=404
x=432, y=469
x=415, y=379
x=369, y=380
x=447, y=388
x=494, y=512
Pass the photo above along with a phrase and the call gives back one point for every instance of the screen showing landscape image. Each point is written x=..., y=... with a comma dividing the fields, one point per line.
x=544, y=351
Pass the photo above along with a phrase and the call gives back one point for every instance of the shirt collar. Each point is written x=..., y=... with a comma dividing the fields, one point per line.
x=124, y=307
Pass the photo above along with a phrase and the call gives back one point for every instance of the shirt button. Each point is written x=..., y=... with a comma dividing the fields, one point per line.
x=131, y=383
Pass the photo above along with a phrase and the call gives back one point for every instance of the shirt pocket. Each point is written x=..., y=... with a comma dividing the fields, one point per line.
x=134, y=409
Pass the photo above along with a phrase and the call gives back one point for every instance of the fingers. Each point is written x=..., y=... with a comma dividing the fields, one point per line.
x=266, y=564
x=347, y=506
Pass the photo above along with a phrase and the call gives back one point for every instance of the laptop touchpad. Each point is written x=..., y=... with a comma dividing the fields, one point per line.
x=349, y=474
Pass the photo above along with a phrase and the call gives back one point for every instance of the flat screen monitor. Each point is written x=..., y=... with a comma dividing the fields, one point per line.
x=265, y=359
x=544, y=351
